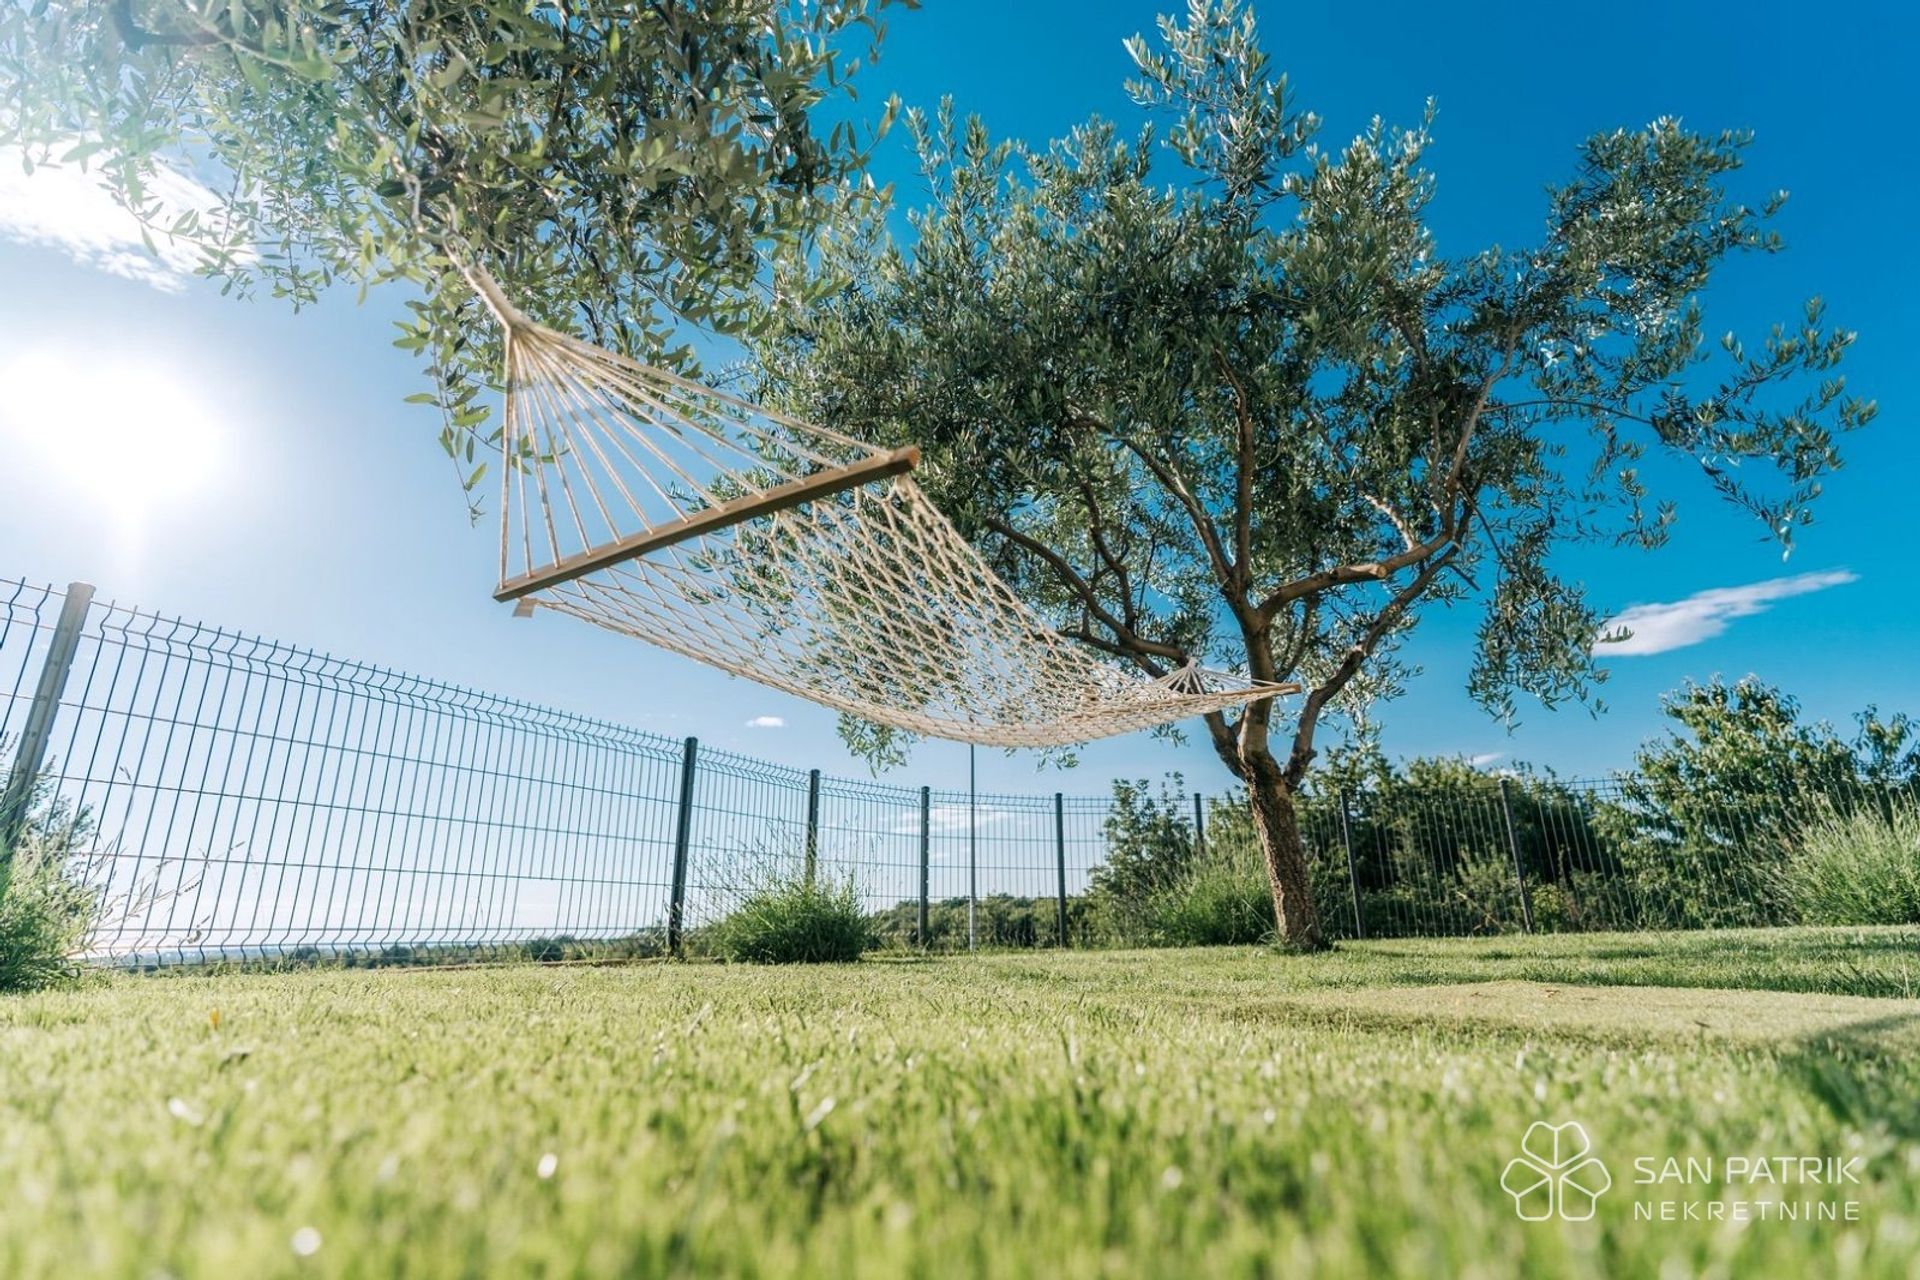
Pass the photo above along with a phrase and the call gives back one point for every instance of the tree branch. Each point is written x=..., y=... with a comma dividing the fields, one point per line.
x=1451, y=485
x=1448, y=499
x=1243, y=489
x=1094, y=640
x=1203, y=525
x=1096, y=530
x=1363, y=571
x=1135, y=645
x=1388, y=618
x=1393, y=518
x=1226, y=738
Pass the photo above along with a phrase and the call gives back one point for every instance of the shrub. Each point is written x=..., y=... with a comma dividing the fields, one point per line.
x=1150, y=850
x=1858, y=868
x=795, y=921
x=46, y=912
x=1476, y=896
x=1221, y=899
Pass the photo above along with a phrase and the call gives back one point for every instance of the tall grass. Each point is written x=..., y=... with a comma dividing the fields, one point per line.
x=795, y=920
x=1220, y=899
x=1862, y=868
x=46, y=912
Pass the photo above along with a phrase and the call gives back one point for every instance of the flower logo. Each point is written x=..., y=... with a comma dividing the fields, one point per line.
x=1554, y=1174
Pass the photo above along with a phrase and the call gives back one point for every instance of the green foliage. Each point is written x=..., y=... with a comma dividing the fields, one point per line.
x=650, y=944
x=1000, y=921
x=47, y=907
x=616, y=165
x=796, y=920
x=1475, y=896
x=1732, y=818
x=1437, y=813
x=1712, y=812
x=44, y=919
x=1156, y=888
x=1212, y=391
x=1149, y=839
x=1431, y=855
x=1221, y=899
x=1861, y=868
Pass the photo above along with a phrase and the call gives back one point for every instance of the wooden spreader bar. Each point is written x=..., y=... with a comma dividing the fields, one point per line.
x=821, y=484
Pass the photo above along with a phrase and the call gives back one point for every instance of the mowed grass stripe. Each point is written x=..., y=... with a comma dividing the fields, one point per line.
x=1628, y=1014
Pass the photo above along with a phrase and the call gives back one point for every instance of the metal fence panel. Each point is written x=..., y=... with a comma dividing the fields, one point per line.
x=235, y=797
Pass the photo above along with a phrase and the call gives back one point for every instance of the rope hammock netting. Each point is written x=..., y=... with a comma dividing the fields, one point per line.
x=786, y=553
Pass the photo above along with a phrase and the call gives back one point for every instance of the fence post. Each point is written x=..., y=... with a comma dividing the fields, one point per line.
x=813, y=823
x=926, y=806
x=1060, y=857
x=31, y=751
x=1353, y=868
x=1513, y=846
x=682, y=841
x=1199, y=829
x=973, y=851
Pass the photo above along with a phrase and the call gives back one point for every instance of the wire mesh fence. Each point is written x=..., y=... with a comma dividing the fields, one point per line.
x=238, y=798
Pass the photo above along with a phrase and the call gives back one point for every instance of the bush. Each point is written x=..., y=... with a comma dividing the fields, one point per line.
x=795, y=921
x=1222, y=899
x=45, y=915
x=1476, y=896
x=1858, y=868
x=1150, y=851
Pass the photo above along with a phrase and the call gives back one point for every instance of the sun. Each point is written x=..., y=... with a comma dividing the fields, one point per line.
x=126, y=436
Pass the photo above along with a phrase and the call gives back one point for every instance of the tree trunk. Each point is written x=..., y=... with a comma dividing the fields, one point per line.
x=1276, y=823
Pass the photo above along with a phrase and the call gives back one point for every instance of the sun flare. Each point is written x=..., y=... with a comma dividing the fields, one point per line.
x=128, y=437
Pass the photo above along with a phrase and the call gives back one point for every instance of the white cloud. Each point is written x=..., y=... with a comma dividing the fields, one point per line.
x=65, y=208
x=945, y=819
x=1656, y=628
x=767, y=722
x=1486, y=758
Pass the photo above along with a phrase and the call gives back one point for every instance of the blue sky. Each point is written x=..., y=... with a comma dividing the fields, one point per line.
x=267, y=476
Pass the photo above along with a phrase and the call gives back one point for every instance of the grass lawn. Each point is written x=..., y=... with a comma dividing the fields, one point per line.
x=1173, y=1113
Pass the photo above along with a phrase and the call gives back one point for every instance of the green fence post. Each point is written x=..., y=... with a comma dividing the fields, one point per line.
x=1060, y=857
x=926, y=841
x=682, y=842
x=813, y=824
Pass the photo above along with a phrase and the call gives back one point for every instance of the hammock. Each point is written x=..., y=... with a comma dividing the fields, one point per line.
x=786, y=553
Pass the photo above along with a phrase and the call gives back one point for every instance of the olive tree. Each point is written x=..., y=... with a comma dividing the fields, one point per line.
x=1211, y=390
x=619, y=165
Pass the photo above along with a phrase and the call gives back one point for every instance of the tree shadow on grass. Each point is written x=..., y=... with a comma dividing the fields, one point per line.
x=1863, y=962
x=1867, y=1074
